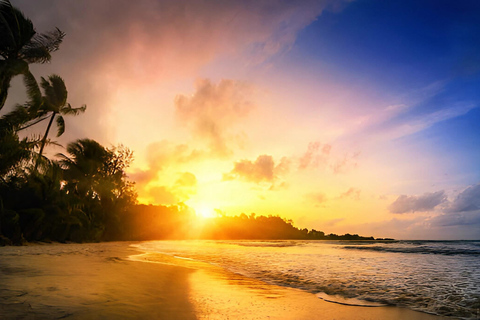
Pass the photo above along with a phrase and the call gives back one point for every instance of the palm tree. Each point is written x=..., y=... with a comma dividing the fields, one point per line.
x=21, y=45
x=54, y=102
x=84, y=168
x=96, y=176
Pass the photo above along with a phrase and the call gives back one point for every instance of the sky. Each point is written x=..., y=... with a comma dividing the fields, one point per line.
x=344, y=116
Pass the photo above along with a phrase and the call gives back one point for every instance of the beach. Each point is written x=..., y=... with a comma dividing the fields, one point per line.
x=118, y=281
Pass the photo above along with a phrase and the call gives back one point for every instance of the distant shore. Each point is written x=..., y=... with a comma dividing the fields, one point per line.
x=109, y=281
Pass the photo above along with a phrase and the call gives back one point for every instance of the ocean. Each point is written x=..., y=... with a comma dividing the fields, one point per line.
x=436, y=277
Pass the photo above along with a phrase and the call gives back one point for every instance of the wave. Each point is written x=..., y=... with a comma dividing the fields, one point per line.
x=261, y=243
x=349, y=301
x=473, y=250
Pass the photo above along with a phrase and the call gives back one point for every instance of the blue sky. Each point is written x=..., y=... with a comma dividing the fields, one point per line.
x=401, y=47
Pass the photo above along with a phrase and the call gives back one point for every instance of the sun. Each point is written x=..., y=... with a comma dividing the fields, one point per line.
x=205, y=211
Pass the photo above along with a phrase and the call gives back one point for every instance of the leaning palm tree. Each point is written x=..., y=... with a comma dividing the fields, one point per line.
x=21, y=45
x=54, y=103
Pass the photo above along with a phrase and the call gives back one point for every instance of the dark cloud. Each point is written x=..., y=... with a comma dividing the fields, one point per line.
x=464, y=210
x=467, y=200
x=263, y=169
x=213, y=110
x=470, y=218
x=426, y=202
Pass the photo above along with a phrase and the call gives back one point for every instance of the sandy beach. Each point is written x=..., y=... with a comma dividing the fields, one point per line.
x=116, y=281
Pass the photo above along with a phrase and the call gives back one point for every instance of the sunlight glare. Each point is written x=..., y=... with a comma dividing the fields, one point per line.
x=204, y=211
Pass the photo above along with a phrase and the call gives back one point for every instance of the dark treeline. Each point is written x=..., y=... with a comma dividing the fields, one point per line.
x=84, y=194
x=152, y=222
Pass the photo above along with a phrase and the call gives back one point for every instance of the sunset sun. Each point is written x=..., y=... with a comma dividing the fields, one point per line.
x=205, y=211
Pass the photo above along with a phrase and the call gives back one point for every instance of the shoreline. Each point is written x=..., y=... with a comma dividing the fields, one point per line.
x=111, y=280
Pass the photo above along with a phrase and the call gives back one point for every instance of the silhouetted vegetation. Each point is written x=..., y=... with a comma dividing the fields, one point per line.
x=21, y=45
x=84, y=194
x=153, y=222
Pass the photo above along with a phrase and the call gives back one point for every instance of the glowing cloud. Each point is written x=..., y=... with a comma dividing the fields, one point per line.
x=261, y=170
x=315, y=155
x=212, y=111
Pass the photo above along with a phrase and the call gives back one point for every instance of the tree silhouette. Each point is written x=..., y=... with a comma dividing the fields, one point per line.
x=21, y=45
x=96, y=176
x=83, y=168
x=54, y=102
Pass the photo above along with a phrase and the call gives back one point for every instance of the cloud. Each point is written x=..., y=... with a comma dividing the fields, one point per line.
x=213, y=110
x=263, y=169
x=187, y=179
x=121, y=53
x=470, y=218
x=315, y=155
x=162, y=154
x=468, y=200
x=352, y=193
x=320, y=155
x=426, y=202
x=184, y=187
x=464, y=210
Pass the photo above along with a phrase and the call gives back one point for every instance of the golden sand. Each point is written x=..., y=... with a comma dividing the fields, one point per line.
x=114, y=281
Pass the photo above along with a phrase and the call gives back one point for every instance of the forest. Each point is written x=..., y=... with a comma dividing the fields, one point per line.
x=84, y=194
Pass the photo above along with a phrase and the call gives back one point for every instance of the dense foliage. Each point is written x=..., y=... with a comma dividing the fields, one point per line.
x=150, y=222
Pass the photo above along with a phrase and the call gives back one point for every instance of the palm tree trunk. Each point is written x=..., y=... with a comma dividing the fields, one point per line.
x=44, y=140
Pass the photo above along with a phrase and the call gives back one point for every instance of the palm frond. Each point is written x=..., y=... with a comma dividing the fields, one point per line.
x=5, y=4
x=50, y=40
x=59, y=88
x=33, y=141
x=48, y=90
x=60, y=125
x=64, y=161
x=15, y=118
x=55, y=91
x=35, y=54
x=50, y=142
x=68, y=110
x=7, y=39
x=38, y=49
x=33, y=90
x=17, y=30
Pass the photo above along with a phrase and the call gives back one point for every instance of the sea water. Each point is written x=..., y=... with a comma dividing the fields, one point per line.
x=438, y=277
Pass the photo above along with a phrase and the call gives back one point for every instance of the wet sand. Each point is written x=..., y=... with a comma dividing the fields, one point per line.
x=115, y=281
